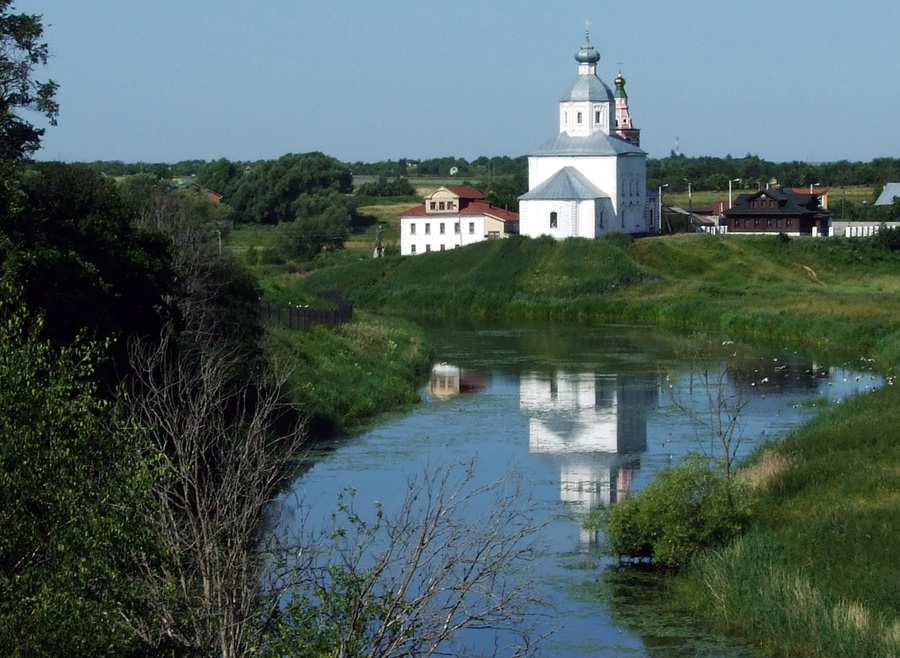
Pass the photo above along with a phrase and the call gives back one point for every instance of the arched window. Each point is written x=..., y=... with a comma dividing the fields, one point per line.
x=579, y=117
x=554, y=219
x=597, y=116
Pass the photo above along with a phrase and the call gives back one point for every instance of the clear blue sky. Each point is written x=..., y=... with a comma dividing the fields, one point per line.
x=166, y=80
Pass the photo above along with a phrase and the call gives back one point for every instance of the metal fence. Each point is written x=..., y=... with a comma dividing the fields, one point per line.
x=298, y=317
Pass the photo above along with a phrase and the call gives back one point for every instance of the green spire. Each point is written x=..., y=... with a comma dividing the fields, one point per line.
x=620, y=87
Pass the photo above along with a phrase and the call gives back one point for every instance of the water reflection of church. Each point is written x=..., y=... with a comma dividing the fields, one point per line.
x=594, y=426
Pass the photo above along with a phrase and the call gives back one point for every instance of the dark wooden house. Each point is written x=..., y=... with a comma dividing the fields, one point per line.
x=778, y=211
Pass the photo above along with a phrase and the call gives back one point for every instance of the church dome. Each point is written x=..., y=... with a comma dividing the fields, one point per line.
x=587, y=54
x=588, y=87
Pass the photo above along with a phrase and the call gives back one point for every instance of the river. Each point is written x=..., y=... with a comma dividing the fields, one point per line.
x=585, y=416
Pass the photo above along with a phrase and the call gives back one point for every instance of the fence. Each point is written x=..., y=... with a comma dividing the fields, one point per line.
x=298, y=317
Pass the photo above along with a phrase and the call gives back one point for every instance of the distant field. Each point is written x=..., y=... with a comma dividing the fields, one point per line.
x=855, y=195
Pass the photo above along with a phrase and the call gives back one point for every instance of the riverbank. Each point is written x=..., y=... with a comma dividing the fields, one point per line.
x=818, y=574
x=342, y=377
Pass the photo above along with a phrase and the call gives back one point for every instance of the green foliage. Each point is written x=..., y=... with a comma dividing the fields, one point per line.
x=74, y=249
x=69, y=490
x=887, y=239
x=383, y=187
x=267, y=194
x=21, y=51
x=346, y=375
x=688, y=508
x=504, y=191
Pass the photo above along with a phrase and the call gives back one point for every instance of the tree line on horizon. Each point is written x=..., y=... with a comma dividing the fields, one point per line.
x=674, y=170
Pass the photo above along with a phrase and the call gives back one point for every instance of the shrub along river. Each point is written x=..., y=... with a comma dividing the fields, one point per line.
x=585, y=416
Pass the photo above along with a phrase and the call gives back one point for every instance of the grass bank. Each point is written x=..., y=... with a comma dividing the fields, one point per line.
x=343, y=377
x=818, y=574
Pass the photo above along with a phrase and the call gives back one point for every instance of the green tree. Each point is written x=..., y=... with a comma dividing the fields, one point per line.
x=21, y=51
x=81, y=261
x=268, y=192
x=323, y=222
x=69, y=489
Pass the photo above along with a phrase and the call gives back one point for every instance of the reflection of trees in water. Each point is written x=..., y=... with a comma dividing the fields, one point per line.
x=776, y=376
x=637, y=601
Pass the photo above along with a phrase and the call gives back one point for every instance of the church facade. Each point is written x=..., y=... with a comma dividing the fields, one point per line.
x=591, y=178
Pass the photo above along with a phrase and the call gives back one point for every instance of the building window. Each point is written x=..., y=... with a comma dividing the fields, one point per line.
x=456, y=227
x=493, y=235
x=597, y=117
x=579, y=117
x=790, y=222
x=450, y=205
x=412, y=228
x=777, y=223
x=554, y=219
x=427, y=228
x=431, y=205
x=412, y=249
x=441, y=205
x=471, y=228
x=427, y=247
x=442, y=247
x=441, y=228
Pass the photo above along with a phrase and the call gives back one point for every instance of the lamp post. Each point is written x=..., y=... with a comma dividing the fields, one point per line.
x=690, y=217
x=733, y=180
x=660, y=210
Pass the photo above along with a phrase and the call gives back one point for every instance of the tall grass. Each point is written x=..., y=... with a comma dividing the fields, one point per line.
x=342, y=377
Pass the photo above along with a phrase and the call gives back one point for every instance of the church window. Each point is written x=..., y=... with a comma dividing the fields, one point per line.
x=579, y=117
x=412, y=228
x=427, y=228
x=597, y=117
x=554, y=220
x=565, y=117
x=441, y=230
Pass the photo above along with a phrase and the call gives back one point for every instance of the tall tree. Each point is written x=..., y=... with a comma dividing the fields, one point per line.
x=21, y=51
x=68, y=487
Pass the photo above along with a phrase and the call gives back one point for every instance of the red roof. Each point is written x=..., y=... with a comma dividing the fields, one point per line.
x=814, y=190
x=465, y=191
x=472, y=208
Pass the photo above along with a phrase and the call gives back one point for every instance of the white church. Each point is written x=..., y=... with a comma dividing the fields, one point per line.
x=591, y=178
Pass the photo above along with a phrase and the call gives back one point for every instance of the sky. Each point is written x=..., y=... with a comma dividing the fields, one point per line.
x=166, y=80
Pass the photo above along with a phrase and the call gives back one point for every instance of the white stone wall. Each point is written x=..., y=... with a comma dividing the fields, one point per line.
x=471, y=230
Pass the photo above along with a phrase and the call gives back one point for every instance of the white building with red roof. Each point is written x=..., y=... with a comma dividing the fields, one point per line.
x=451, y=217
x=591, y=178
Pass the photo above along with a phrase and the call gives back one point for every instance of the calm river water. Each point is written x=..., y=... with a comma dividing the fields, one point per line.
x=585, y=415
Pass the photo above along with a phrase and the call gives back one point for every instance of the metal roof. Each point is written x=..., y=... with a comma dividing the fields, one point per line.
x=567, y=184
x=597, y=144
x=588, y=87
x=887, y=195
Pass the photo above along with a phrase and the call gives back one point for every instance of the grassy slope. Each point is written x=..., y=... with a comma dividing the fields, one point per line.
x=819, y=575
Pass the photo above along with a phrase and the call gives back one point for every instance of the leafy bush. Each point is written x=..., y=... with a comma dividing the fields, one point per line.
x=688, y=508
x=887, y=239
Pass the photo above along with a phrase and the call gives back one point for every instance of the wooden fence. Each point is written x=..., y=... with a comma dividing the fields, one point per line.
x=298, y=317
